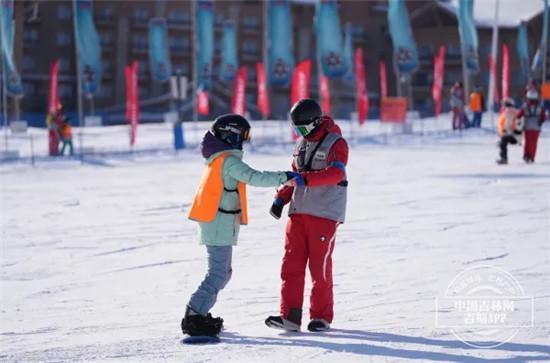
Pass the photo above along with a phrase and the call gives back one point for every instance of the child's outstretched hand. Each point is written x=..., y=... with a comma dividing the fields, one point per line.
x=294, y=179
x=276, y=209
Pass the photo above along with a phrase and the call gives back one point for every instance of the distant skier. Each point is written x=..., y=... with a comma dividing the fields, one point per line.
x=509, y=129
x=476, y=105
x=459, y=120
x=533, y=116
x=220, y=207
x=317, y=207
x=66, y=132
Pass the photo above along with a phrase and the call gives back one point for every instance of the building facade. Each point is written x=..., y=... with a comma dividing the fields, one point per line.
x=44, y=33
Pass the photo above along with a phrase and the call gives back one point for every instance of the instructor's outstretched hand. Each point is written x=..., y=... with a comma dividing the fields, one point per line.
x=295, y=179
x=277, y=208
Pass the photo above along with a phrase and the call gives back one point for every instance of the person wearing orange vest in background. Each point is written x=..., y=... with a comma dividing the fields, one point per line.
x=220, y=207
x=509, y=129
x=533, y=116
x=66, y=132
x=477, y=104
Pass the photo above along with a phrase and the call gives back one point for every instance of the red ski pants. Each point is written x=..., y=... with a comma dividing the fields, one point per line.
x=530, y=147
x=308, y=239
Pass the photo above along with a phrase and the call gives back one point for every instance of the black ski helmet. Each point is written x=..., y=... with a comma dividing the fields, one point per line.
x=232, y=129
x=306, y=116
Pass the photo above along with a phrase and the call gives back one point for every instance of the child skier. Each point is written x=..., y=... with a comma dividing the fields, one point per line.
x=509, y=130
x=220, y=207
x=317, y=206
x=533, y=116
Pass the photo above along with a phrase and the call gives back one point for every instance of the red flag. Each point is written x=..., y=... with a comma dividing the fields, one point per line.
x=437, y=87
x=300, y=81
x=132, y=99
x=202, y=102
x=505, y=71
x=238, y=99
x=383, y=80
x=493, y=70
x=361, y=87
x=53, y=99
x=324, y=91
x=263, y=97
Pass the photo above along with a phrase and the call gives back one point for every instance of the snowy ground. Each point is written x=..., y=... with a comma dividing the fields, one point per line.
x=98, y=259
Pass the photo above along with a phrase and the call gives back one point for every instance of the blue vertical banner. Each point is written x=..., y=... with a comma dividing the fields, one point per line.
x=280, y=58
x=159, y=53
x=523, y=50
x=205, y=43
x=538, y=59
x=88, y=46
x=468, y=35
x=229, y=52
x=348, y=53
x=329, y=38
x=405, y=55
x=13, y=84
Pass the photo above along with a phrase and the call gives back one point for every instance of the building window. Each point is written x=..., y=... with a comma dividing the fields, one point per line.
x=183, y=68
x=63, y=39
x=143, y=69
x=105, y=13
x=30, y=37
x=65, y=90
x=251, y=22
x=143, y=92
x=425, y=52
x=179, y=43
x=453, y=51
x=64, y=65
x=139, y=42
x=179, y=17
x=249, y=47
x=141, y=15
x=29, y=88
x=107, y=65
x=106, y=39
x=28, y=63
x=357, y=32
x=106, y=91
x=63, y=12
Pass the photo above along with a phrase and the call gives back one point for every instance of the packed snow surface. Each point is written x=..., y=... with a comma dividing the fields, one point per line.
x=98, y=258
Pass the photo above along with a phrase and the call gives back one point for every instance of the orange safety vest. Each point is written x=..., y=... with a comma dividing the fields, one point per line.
x=209, y=194
x=475, y=102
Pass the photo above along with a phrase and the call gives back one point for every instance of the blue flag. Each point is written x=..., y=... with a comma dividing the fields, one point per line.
x=88, y=47
x=13, y=83
x=348, y=53
x=405, y=54
x=537, y=60
x=229, y=52
x=159, y=53
x=329, y=38
x=523, y=50
x=205, y=43
x=468, y=35
x=280, y=59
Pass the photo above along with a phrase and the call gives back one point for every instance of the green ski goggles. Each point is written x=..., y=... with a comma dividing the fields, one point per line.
x=305, y=130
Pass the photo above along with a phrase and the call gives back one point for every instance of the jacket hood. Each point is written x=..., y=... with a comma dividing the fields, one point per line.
x=211, y=145
x=327, y=126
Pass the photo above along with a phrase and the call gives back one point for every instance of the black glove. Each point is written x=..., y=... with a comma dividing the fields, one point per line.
x=277, y=208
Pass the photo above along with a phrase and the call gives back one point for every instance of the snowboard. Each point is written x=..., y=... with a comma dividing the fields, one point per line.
x=200, y=339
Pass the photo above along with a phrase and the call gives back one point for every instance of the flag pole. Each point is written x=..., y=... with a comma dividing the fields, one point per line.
x=265, y=51
x=494, y=53
x=78, y=84
x=544, y=45
x=4, y=95
x=195, y=52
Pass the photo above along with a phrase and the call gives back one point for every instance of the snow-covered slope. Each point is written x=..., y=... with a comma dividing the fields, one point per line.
x=98, y=259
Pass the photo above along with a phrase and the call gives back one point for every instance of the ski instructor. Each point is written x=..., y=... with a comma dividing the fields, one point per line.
x=317, y=206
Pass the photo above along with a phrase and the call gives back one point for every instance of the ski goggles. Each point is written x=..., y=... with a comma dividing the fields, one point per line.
x=246, y=135
x=305, y=130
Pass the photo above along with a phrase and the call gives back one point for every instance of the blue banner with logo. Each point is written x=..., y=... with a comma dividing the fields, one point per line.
x=159, y=53
x=13, y=84
x=88, y=46
x=205, y=43
x=523, y=50
x=405, y=55
x=329, y=38
x=537, y=60
x=468, y=35
x=229, y=52
x=280, y=58
x=348, y=53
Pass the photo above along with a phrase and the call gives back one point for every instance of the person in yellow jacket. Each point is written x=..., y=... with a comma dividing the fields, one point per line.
x=220, y=207
x=509, y=129
x=476, y=105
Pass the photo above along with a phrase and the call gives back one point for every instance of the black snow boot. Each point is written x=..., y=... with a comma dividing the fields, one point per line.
x=194, y=324
x=502, y=161
x=290, y=324
x=318, y=325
